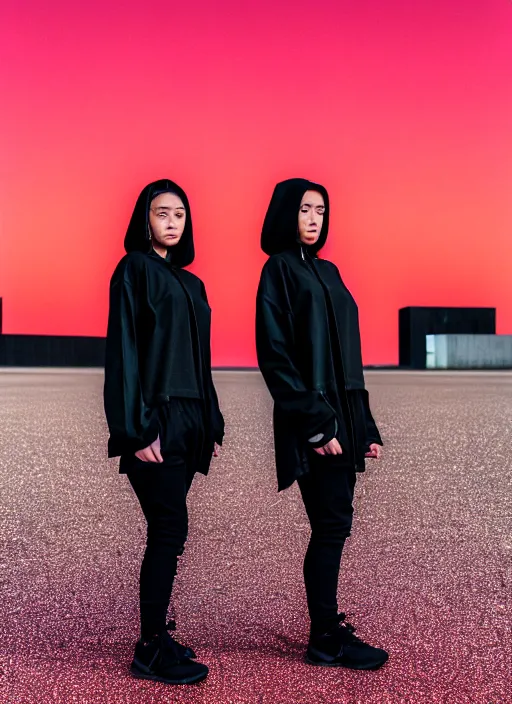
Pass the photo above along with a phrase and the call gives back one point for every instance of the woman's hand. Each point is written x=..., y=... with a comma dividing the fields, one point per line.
x=216, y=449
x=332, y=448
x=151, y=453
x=375, y=451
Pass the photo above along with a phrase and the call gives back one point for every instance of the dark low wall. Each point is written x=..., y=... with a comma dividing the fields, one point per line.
x=51, y=351
x=414, y=324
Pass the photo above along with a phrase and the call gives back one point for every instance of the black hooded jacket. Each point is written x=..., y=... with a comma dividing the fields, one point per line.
x=308, y=342
x=158, y=338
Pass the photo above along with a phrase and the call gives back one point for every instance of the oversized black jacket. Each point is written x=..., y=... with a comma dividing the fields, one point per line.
x=303, y=309
x=158, y=338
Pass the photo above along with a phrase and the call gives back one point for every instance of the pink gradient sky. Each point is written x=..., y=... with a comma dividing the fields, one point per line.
x=403, y=110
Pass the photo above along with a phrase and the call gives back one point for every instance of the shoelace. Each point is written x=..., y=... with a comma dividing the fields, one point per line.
x=343, y=623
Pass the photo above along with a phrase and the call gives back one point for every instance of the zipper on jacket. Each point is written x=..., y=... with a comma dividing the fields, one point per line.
x=205, y=391
x=347, y=403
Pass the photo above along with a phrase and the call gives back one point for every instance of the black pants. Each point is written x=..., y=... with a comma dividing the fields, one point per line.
x=327, y=491
x=162, y=489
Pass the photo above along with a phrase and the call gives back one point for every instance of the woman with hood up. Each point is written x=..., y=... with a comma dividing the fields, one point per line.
x=309, y=352
x=161, y=405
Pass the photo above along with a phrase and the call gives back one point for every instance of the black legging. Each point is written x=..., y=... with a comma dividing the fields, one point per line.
x=162, y=493
x=327, y=491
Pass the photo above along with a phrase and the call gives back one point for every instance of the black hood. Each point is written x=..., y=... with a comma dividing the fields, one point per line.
x=137, y=236
x=280, y=228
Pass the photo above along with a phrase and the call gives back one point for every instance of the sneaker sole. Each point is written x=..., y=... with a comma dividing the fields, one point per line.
x=155, y=678
x=317, y=663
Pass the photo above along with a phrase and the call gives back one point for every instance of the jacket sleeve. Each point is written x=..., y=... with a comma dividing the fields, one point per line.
x=217, y=418
x=275, y=350
x=324, y=435
x=372, y=432
x=131, y=423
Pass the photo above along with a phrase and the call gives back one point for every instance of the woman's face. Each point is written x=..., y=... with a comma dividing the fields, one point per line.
x=167, y=216
x=311, y=217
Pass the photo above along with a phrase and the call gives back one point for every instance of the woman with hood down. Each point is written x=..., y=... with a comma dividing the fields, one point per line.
x=161, y=405
x=309, y=352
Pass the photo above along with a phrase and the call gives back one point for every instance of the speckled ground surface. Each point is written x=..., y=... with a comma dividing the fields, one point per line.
x=427, y=573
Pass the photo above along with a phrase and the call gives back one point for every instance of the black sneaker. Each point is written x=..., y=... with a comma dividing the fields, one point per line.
x=162, y=660
x=341, y=648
